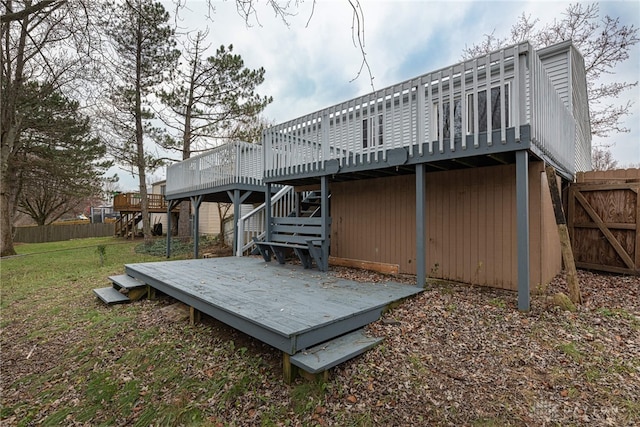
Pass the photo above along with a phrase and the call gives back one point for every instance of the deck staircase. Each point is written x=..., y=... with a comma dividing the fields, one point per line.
x=324, y=356
x=300, y=232
x=310, y=205
x=124, y=289
x=283, y=204
x=126, y=224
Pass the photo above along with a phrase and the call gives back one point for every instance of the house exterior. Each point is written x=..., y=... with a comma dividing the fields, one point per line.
x=441, y=175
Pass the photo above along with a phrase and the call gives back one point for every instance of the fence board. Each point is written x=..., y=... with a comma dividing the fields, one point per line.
x=56, y=233
x=604, y=220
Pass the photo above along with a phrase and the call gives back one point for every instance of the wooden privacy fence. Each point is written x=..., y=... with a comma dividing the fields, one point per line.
x=604, y=220
x=56, y=233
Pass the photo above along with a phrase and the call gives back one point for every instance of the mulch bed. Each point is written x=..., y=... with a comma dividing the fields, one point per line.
x=458, y=354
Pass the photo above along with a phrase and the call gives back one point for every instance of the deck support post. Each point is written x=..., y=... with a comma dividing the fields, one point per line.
x=296, y=201
x=522, y=222
x=421, y=235
x=170, y=205
x=289, y=371
x=237, y=199
x=194, y=315
x=267, y=212
x=326, y=216
x=196, y=201
x=169, y=230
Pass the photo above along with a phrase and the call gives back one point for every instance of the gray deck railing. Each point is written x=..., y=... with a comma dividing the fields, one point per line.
x=416, y=114
x=232, y=163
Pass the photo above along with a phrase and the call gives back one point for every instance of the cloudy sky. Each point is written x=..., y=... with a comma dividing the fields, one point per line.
x=311, y=63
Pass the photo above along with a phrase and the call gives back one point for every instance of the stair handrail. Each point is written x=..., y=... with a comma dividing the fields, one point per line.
x=244, y=244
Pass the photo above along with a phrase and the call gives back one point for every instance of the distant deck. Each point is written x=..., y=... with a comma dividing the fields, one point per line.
x=285, y=306
x=131, y=202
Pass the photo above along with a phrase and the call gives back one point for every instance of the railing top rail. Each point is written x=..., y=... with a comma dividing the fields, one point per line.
x=223, y=147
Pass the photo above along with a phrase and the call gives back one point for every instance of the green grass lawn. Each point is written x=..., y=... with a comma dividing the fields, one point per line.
x=68, y=358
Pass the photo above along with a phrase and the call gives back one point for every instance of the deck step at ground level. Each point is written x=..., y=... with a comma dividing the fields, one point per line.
x=111, y=295
x=333, y=352
x=126, y=281
x=124, y=289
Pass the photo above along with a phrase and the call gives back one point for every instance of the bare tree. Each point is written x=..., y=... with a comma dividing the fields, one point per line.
x=602, y=159
x=224, y=210
x=144, y=54
x=209, y=100
x=604, y=43
x=45, y=41
x=110, y=187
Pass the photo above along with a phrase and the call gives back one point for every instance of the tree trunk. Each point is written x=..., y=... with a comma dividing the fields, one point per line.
x=10, y=130
x=141, y=160
x=7, y=199
x=6, y=220
x=184, y=231
x=223, y=211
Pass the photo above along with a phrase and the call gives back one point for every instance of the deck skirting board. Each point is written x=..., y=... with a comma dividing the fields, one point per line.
x=283, y=343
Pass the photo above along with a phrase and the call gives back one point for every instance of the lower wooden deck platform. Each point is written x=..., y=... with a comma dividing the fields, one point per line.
x=285, y=306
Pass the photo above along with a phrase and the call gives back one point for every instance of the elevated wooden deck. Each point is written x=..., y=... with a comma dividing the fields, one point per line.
x=285, y=306
x=478, y=112
x=131, y=202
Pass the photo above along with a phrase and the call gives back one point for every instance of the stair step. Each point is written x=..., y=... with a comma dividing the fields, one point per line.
x=126, y=281
x=110, y=296
x=333, y=352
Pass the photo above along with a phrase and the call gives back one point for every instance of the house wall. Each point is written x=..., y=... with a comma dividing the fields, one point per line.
x=209, y=218
x=565, y=67
x=471, y=225
x=557, y=67
x=580, y=106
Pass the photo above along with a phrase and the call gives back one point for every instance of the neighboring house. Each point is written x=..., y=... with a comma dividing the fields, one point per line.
x=415, y=180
